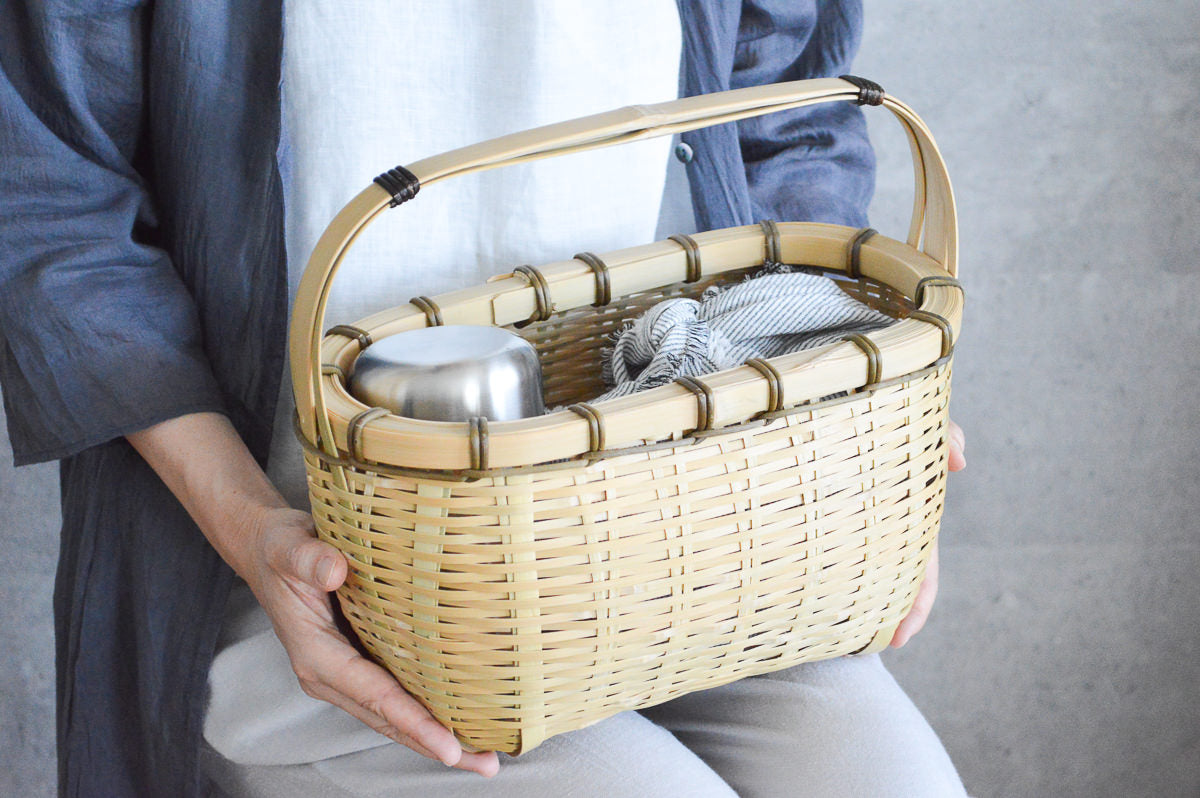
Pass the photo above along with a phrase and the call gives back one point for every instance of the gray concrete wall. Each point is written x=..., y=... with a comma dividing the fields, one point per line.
x=1064, y=652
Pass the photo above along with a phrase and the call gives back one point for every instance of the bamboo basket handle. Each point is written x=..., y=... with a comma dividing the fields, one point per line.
x=933, y=226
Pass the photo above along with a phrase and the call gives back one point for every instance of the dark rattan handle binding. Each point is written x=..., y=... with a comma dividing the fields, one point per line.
x=402, y=184
x=869, y=92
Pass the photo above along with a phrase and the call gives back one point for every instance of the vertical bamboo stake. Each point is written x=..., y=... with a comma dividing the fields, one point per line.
x=528, y=682
x=431, y=566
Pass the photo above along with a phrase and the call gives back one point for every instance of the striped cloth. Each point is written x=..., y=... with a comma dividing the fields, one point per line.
x=779, y=310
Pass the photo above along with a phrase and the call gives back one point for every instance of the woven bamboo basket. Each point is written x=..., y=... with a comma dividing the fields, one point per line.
x=527, y=578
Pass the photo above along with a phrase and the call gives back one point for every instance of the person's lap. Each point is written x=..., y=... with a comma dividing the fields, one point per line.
x=625, y=756
x=840, y=728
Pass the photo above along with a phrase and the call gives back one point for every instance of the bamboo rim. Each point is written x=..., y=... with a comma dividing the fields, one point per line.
x=349, y=460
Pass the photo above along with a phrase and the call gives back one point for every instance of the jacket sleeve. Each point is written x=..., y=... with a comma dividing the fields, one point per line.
x=99, y=336
x=809, y=164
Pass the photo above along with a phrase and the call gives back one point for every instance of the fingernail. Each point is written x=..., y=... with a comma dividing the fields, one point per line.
x=324, y=569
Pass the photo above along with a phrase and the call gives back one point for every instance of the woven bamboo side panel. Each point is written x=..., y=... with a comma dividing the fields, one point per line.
x=520, y=606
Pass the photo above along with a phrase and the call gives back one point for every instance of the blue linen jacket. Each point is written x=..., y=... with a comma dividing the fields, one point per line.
x=142, y=276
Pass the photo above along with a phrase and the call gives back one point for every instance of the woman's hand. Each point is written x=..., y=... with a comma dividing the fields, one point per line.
x=923, y=604
x=294, y=575
x=274, y=548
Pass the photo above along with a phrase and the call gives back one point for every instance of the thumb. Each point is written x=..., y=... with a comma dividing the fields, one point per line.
x=317, y=564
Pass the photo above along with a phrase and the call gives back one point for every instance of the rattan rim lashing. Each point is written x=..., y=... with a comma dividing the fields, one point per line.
x=772, y=513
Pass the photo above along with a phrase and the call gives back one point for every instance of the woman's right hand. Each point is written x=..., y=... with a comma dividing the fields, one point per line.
x=274, y=548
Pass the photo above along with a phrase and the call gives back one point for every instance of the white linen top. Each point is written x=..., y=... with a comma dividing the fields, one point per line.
x=368, y=84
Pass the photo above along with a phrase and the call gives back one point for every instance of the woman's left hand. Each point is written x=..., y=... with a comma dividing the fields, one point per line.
x=921, y=608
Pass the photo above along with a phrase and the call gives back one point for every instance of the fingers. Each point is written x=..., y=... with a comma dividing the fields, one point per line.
x=336, y=673
x=958, y=445
x=317, y=564
x=294, y=551
x=294, y=590
x=485, y=764
x=922, y=606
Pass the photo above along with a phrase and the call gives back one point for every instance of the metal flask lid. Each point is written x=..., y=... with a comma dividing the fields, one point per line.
x=451, y=373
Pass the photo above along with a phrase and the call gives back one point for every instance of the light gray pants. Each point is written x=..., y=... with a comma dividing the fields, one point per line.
x=836, y=729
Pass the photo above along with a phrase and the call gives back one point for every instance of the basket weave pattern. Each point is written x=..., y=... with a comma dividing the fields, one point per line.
x=520, y=606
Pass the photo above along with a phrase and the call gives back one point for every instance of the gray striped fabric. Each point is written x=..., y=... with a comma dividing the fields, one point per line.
x=781, y=309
